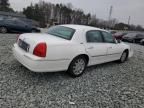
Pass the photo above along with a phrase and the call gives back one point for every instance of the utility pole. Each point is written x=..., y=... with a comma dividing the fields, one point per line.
x=109, y=18
x=129, y=20
x=110, y=12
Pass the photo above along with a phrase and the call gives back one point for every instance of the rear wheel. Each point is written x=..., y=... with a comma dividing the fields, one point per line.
x=77, y=66
x=3, y=29
x=124, y=57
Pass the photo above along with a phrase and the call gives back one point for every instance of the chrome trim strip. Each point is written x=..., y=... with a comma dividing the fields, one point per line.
x=56, y=60
x=63, y=59
x=105, y=55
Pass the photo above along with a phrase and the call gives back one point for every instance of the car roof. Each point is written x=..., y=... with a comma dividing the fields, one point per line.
x=131, y=34
x=82, y=27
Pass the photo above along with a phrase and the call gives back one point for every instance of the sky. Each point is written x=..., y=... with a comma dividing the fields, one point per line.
x=122, y=9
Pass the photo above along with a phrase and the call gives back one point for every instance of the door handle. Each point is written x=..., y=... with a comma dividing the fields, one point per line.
x=90, y=47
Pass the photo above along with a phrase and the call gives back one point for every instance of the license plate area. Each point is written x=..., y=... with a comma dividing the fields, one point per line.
x=23, y=45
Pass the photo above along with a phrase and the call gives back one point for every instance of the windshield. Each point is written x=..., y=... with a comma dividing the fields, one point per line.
x=62, y=32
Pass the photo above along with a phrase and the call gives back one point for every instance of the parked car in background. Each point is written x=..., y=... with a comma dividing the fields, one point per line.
x=30, y=22
x=142, y=42
x=133, y=37
x=16, y=25
x=139, y=37
x=69, y=47
x=119, y=35
x=112, y=31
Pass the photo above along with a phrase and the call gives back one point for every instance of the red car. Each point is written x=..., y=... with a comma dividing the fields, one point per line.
x=119, y=35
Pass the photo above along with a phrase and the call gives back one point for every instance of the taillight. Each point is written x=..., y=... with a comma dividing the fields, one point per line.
x=40, y=50
x=17, y=38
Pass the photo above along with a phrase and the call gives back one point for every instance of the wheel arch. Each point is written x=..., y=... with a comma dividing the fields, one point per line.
x=69, y=70
x=127, y=50
x=80, y=55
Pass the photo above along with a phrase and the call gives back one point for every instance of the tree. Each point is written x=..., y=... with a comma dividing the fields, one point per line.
x=5, y=6
x=93, y=21
x=139, y=28
x=48, y=13
x=112, y=23
x=36, y=13
x=132, y=27
x=122, y=26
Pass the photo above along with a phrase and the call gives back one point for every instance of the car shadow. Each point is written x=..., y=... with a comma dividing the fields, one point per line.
x=62, y=74
x=25, y=76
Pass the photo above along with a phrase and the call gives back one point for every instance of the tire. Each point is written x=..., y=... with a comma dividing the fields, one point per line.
x=142, y=43
x=133, y=41
x=124, y=57
x=3, y=30
x=77, y=66
x=33, y=31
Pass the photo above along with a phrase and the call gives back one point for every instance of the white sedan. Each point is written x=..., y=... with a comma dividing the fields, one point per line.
x=69, y=48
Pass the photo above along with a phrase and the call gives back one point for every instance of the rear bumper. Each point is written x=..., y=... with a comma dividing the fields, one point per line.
x=37, y=64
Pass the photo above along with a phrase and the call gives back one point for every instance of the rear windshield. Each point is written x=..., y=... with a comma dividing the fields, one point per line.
x=62, y=32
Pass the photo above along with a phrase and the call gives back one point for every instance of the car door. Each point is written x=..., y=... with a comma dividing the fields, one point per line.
x=9, y=24
x=114, y=49
x=21, y=26
x=95, y=47
x=12, y=24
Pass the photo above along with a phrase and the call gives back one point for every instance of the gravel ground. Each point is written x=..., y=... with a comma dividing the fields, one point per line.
x=110, y=85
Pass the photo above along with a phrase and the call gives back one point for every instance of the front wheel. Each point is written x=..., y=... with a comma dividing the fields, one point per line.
x=124, y=57
x=77, y=66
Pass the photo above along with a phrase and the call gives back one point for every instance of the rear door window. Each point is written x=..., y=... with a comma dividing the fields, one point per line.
x=94, y=36
x=108, y=38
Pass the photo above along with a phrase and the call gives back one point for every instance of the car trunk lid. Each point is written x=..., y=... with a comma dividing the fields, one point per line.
x=29, y=41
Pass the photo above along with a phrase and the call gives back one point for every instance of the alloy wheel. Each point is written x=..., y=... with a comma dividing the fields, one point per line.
x=3, y=30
